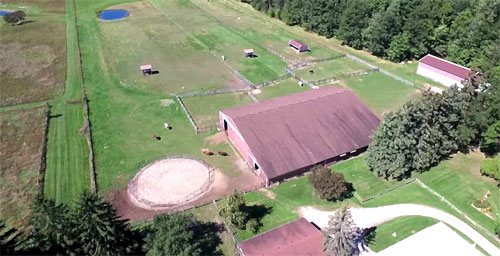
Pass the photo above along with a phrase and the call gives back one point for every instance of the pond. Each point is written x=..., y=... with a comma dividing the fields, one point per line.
x=2, y=12
x=113, y=14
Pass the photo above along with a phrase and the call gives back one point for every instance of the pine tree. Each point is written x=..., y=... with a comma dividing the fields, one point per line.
x=343, y=237
x=98, y=229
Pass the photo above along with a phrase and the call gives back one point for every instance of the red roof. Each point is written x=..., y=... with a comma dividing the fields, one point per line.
x=302, y=129
x=143, y=67
x=445, y=66
x=296, y=43
x=295, y=238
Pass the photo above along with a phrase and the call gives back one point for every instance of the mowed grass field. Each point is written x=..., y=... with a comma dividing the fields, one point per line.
x=381, y=93
x=205, y=109
x=22, y=136
x=34, y=54
x=262, y=30
x=222, y=41
x=329, y=69
x=282, y=88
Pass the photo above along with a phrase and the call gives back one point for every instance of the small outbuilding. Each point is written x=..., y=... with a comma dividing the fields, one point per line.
x=146, y=69
x=248, y=53
x=298, y=46
x=298, y=237
x=442, y=71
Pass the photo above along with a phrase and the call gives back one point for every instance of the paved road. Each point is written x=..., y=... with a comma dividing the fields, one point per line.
x=370, y=217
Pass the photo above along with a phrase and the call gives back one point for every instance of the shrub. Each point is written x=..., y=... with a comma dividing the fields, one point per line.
x=497, y=230
x=15, y=18
x=490, y=167
x=253, y=225
x=232, y=209
x=329, y=185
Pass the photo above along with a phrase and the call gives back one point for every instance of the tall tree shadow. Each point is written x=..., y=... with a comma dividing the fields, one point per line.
x=208, y=234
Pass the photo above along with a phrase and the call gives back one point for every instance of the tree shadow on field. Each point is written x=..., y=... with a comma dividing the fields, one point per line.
x=258, y=212
x=208, y=234
x=369, y=235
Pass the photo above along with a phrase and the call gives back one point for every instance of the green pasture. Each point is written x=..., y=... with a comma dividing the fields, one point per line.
x=261, y=29
x=329, y=69
x=282, y=88
x=205, y=109
x=151, y=38
x=222, y=41
x=381, y=93
x=460, y=182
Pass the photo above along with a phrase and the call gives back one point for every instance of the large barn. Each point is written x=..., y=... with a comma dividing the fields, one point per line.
x=442, y=71
x=298, y=237
x=285, y=136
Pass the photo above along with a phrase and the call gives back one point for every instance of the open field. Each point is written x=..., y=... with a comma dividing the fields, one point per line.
x=22, y=141
x=36, y=7
x=205, y=109
x=184, y=63
x=282, y=88
x=257, y=28
x=459, y=180
x=380, y=92
x=33, y=56
x=223, y=41
x=330, y=69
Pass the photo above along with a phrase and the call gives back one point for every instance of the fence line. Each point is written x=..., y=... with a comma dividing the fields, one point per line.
x=250, y=94
x=401, y=185
x=187, y=114
x=312, y=62
x=228, y=228
x=452, y=206
x=385, y=72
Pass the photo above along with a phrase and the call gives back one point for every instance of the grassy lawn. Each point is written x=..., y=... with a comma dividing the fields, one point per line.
x=330, y=69
x=68, y=171
x=33, y=55
x=282, y=88
x=222, y=41
x=205, y=109
x=365, y=183
x=460, y=181
x=22, y=135
x=403, y=227
x=380, y=92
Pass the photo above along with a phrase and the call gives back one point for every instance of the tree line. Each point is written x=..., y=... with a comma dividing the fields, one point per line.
x=91, y=227
x=464, y=31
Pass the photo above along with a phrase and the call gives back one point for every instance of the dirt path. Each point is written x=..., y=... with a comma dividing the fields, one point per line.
x=370, y=217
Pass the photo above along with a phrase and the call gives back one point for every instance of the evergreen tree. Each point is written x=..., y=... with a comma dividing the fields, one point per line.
x=173, y=235
x=343, y=237
x=99, y=231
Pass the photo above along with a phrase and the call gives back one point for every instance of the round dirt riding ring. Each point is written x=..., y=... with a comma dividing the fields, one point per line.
x=170, y=182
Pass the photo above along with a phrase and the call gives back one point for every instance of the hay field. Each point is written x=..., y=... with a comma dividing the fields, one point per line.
x=22, y=135
x=33, y=55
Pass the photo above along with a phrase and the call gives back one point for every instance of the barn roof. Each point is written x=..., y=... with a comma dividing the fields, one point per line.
x=295, y=131
x=295, y=238
x=445, y=66
x=296, y=43
x=143, y=67
x=248, y=50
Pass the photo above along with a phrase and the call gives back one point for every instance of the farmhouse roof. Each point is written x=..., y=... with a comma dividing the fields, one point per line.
x=296, y=131
x=446, y=66
x=143, y=67
x=296, y=43
x=248, y=50
x=295, y=238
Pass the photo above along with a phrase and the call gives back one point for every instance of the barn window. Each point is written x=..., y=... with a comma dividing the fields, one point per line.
x=256, y=166
x=225, y=125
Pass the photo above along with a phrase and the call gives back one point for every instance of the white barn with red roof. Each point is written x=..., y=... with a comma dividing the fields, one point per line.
x=442, y=71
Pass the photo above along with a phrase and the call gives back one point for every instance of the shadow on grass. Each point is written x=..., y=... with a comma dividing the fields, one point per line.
x=208, y=234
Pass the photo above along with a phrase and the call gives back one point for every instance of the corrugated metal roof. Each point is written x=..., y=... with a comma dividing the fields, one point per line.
x=143, y=67
x=296, y=43
x=295, y=238
x=445, y=66
x=295, y=131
